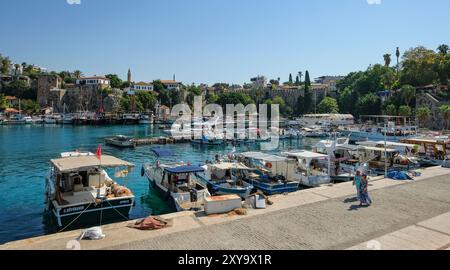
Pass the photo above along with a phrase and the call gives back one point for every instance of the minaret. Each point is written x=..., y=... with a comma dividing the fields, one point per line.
x=129, y=76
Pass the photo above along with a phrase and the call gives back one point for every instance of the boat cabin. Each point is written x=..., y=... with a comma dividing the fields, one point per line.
x=312, y=169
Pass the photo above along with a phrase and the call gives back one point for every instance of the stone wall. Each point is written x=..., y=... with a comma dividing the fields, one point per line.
x=436, y=120
x=45, y=83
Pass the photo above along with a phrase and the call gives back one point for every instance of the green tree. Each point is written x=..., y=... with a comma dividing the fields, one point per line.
x=418, y=67
x=28, y=106
x=147, y=99
x=391, y=109
x=407, y=93
x=404, y=110
x=423, y=113
x=369, y=104
x=445, y=112
x=328, y=105
x=290, y=79
x=299, y=108
x=115, y=81
x=308, y=95
x=443, y=49
x=347, y=100
x=234, y=98
x=387, y=60
x=3, y=104
x=213, y=98
x=297, y=80
x=77, y=74
x=5, y=65
x=20, y=89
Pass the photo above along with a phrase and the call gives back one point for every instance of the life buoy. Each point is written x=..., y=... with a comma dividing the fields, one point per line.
x=269, y=165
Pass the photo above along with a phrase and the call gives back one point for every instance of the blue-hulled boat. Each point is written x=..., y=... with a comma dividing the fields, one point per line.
x=226, y=178
x=271, y=173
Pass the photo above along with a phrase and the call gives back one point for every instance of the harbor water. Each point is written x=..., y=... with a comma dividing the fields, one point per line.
x=25, y=152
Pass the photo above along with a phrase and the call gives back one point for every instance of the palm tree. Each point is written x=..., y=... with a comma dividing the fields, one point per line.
x=423, y=113
x=387, y=60
x=443, y=49
x=77, y=74
x=300, y=75
x=397, y=53
x=407, y=93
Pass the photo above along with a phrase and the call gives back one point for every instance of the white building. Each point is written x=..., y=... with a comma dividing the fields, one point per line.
x=259, y=81
x=96, y=80
x=142, y=86
x=171, y=84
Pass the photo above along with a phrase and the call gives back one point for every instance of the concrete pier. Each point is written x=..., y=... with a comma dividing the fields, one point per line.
x=405, y=215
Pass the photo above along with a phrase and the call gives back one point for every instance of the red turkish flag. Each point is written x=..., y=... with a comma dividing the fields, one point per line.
x=99, y=152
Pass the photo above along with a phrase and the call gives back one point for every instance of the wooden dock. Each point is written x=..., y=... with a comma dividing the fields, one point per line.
x=159, y=141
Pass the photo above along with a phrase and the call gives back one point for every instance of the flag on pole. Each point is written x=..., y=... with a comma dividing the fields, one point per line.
x=99, y=152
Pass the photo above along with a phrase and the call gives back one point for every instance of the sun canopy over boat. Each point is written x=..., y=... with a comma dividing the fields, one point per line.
x=77, y=163
x=394, y=144
x=184, y=169
x=306, y=154
x=162, y=152
x=230, y=166
x=262, y=156
x=388, y=150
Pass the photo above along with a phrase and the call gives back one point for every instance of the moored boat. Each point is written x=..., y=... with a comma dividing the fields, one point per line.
x=270, y=174
x=121, y=141
x=226, y=178
x=178, y=183
x=79, y=192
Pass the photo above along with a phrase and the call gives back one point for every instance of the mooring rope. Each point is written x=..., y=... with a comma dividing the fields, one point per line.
x=75, y=218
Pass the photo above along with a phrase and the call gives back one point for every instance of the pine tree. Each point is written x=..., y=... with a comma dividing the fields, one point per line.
x=308, y=95
x=297, y=80
x=290, y=78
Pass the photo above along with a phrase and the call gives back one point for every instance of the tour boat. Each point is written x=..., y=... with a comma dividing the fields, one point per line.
x=270, y=174
x=79, y=191
x=121, y=141
x=390, y=132
x=178, y=182
x=226, y=178
x=311, y=169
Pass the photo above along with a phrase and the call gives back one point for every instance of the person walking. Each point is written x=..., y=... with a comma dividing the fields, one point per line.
x=357, y=184
x=364, y=192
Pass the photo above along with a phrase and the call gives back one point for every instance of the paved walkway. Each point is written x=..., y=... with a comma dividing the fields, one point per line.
x=321, y=218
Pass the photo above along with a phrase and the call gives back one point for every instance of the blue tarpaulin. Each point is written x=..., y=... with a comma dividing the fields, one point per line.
x=185, y=169
x=399, y=175
x=162, y=152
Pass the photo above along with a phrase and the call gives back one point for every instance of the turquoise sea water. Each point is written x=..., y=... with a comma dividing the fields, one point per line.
x=25, y=152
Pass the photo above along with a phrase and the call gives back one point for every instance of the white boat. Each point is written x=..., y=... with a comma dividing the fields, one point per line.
x=16, y=119
x=145, y=120
x=121, y=141
x=51, y=119
x=79, y=192
x=312, y=169
x=179, y=183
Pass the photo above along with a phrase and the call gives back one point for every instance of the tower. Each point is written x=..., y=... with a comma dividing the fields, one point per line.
x=129, y=76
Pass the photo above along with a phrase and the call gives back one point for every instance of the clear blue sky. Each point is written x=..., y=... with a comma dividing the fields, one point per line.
x=217, y=40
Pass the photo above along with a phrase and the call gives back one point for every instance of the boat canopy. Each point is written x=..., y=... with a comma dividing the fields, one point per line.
x=184, y=169
x=231, y=166
x=306, y=154
x=77, y=163
x=262, y=156
x=372, y=143
x=162, y=152
x=388, y=150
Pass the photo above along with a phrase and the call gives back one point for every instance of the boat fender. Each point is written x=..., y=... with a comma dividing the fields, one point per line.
x=269, y=165
x=142, y=171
